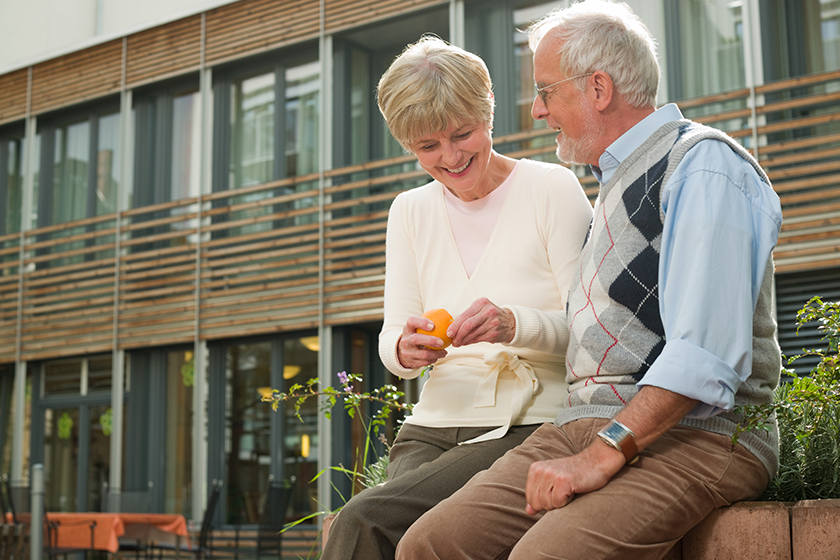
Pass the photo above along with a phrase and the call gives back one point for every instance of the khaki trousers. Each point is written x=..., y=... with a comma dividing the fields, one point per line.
x=639, y=514
x=427, y=465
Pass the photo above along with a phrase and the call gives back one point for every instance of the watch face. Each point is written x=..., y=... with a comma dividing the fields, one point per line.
x=615, y=432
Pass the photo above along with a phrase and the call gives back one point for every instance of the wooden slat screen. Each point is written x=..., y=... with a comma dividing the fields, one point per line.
x=77, y=77
x=799, y=127
x=259, y=265
x=9, y=280
x=68, y=289
x=260, y=248
x=13, y=88
x=254, y=26
x=354, y=236
x=342, y=14
x=162, y=51
x=157, y=274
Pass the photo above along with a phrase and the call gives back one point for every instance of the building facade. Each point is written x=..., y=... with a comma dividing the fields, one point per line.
x=194, y=212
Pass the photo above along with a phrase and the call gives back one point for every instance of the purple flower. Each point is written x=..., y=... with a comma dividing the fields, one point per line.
x=342, y=377
x=348, y=388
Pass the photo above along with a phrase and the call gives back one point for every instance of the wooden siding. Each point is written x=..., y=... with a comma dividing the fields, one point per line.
x=254, y=26
x=13, y=88
x=289, y=254
x=163, y=51
x=343, y=14
x=77, y=77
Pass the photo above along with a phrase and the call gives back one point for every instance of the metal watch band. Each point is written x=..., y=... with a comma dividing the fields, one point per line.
x=619, y=436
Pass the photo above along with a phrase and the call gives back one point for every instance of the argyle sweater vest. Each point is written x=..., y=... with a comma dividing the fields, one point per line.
x=615, y=328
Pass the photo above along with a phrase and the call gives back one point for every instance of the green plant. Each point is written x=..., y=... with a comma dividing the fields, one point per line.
x=369, y=468
x=808, y=412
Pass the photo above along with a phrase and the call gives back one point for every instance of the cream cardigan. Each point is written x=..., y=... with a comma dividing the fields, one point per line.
x=526, y=267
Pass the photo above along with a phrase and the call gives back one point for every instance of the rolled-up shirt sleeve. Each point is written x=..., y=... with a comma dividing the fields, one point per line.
x=721, y=224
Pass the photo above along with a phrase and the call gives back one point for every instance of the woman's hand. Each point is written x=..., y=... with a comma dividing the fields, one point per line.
x=413, y=348
x=482, y=321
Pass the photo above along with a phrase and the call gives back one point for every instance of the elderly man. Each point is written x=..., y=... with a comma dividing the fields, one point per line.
x=670, y=323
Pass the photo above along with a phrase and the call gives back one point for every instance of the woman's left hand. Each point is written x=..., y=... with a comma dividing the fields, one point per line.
x=483, y=321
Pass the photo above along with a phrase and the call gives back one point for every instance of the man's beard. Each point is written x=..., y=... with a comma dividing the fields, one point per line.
x=579, y=151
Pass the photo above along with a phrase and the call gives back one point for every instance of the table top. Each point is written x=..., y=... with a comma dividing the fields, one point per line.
x=73, y=530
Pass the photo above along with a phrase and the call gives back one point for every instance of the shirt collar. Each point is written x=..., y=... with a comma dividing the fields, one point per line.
x=627, y=143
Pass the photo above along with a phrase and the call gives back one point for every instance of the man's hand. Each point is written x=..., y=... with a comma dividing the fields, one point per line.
x=554, y=483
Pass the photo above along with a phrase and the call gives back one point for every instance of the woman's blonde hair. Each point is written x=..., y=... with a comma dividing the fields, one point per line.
x=431, y=86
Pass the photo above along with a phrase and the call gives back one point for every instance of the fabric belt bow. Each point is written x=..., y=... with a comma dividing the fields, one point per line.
x=525, y=386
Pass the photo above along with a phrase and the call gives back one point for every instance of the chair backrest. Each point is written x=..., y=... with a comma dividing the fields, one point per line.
x=127, y=500
x=273, y=517
x=207, y=520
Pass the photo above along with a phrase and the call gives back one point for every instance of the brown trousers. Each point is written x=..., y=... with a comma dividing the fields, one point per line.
x=639, y=514
x=427, y=466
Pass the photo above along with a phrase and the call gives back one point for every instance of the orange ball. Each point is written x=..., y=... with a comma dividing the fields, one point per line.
x=442, y=319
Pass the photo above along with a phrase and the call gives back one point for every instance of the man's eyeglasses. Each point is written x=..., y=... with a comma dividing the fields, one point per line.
x=544, y=93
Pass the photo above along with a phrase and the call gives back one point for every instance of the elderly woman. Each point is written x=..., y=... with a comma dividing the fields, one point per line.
x=494, y=241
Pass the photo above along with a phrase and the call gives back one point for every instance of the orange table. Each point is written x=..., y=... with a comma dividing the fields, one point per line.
x=73, y=530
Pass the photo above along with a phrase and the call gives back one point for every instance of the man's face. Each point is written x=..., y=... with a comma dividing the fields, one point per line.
x=565, y=108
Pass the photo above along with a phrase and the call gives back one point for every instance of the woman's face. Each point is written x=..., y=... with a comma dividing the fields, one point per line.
x=458, y=157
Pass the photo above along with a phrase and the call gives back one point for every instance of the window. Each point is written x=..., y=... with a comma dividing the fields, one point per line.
x=799, y=37
x=266, y=122
x=793, y=291
x=255, y=442
x=79, y=167
x=11, y=179
x=167, y=144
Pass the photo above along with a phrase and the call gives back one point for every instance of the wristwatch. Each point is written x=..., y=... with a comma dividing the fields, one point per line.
x=619, y=436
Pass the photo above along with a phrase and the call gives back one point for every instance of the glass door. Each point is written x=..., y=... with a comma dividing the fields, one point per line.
x=72, y=437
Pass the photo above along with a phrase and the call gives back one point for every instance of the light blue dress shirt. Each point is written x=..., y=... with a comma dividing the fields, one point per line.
x=721, y=225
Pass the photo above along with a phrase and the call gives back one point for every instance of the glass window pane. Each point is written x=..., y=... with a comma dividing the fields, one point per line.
x=247, y=430
x=186, y=145
x=70, y=172
x=14, y=185
x=179, y=422
x=63, y=378
x=61, y=458
x=252, y=129
x=99, y=457
x=99, y=373
x=300, y=444
x=301, y=135
x=523, y=64
x=108, y=164
x=712, y=48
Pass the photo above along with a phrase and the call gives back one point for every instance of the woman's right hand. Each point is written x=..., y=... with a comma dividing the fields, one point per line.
x=413, y=348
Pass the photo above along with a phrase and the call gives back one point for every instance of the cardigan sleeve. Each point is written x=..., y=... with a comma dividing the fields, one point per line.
x=402, y=288
x=564, y=215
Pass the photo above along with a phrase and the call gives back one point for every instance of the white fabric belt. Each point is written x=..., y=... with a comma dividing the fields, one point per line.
x=525, y=386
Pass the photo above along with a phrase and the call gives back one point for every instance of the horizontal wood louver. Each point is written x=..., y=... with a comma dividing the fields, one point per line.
x=68, y=289
x=260, y=263
x=273, y=257
x=254, y=26
x=341, y=14
x=13, y=87
x=167, y=50
x=354, y=236
x=9, y=280
x=157, y=274
x=77, y=77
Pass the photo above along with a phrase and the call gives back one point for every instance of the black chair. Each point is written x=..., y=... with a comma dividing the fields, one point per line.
x=273, y=517
x=15, y=500
x=201, y=549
